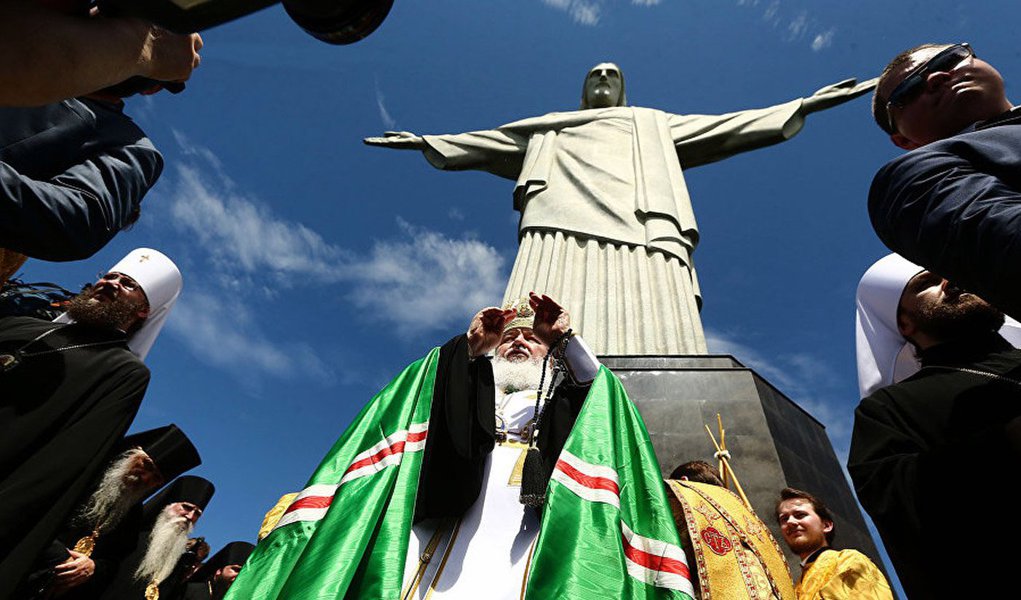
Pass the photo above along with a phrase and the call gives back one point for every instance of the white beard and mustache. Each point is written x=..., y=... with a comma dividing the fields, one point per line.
x=515, y=376
x=167, y=542
x=116, y=494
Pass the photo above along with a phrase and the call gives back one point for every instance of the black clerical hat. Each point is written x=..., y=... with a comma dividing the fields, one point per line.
x=234, y=553
x=168, y=447
x=186, y=488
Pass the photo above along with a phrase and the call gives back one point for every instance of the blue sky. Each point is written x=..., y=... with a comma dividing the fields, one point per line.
x=316, y=267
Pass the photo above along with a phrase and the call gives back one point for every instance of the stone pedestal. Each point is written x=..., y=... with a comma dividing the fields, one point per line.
x=774, y=443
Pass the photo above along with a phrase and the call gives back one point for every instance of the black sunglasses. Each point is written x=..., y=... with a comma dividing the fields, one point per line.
x=912, y=85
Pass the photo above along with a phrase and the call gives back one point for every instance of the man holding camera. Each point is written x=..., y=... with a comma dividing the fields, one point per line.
x=74, y=170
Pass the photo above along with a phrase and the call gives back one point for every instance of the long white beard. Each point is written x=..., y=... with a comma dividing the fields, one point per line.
x=116, y=494
x=515, y=376
x=167, y=542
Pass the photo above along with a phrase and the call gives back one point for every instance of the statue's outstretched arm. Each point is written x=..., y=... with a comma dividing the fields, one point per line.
x=400, y=140
x=496, y=151
x=837, y=93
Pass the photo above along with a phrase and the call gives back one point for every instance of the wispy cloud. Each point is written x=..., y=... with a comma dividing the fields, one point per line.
x=589, y=12
x=388, y=121
x=823, y=40
x=240, y=235
x=810, y=382
x=415, y=282
x=794, y=24
x=425, y=281
x=227, y=335
x=798, y=26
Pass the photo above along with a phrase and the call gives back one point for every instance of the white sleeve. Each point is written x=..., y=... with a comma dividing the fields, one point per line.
x=581, y=362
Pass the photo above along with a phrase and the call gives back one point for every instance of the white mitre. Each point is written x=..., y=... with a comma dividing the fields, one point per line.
x=161, y=281
x=884, y=355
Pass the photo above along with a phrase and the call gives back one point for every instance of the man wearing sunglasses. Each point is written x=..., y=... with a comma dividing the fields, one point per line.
x=953, y=203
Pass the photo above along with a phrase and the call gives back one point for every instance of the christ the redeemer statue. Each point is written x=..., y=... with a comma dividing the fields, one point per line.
x=606, y=221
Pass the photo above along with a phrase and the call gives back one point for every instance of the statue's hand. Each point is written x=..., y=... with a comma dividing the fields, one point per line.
x=837, y=93
x=401, y=140
x=551, y=320
x=486, y=329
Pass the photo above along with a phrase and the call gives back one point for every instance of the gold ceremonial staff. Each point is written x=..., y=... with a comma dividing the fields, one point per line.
x=724, y=457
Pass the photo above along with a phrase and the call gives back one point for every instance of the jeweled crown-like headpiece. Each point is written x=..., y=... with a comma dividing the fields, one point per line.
x=525, y=315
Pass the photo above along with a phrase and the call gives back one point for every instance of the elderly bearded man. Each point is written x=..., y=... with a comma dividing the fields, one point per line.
x=949, y=434
x=434, y=490
x=155, y=569
x=104, y=530
x=68, y=393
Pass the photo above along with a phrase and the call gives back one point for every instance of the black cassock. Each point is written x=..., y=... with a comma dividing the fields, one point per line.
x=936, y=466
x=124, y=586
x=199, y=590
x=462, y=427
x=61, y=415
x=112, y=548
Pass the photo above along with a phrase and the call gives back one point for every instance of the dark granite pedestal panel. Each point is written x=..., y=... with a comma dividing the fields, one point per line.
x=774, y=443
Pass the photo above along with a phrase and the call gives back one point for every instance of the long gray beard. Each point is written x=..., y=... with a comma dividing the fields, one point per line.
x=515, y=376
x=113, y=498
x=167, y=542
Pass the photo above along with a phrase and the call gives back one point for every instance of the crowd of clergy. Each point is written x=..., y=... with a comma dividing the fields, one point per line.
x=89, y=512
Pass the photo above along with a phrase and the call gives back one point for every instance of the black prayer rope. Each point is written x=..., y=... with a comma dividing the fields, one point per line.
x=540, y=404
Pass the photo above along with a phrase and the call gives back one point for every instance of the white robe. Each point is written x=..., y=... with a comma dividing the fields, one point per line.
x=493, y=539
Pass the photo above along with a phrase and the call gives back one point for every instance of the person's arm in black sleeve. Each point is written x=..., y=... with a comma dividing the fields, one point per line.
x=75, y=213
x=458, y=441
x=954, y=207
x=885, y=465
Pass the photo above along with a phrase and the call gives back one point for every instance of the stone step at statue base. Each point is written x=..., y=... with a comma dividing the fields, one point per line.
x=773, y=442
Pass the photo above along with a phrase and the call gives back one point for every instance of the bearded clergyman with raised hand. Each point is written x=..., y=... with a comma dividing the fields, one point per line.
x=528, y=474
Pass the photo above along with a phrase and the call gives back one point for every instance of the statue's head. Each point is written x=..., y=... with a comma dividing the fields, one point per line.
x=604, y=87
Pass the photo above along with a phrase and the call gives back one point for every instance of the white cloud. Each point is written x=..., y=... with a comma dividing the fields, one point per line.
x=802, y=377
x=415, y=282
x=585, y=12
x=224, y=333
x=798, y=25
x=388, y=121
x=793, y=24
x=426, y=280
x=823, y=40
x=240, y=235
x=589, y=12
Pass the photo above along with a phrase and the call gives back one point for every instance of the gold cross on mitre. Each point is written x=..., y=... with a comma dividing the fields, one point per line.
x=143, y=258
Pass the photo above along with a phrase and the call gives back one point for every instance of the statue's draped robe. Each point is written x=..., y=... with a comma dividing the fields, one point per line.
x=607, y=225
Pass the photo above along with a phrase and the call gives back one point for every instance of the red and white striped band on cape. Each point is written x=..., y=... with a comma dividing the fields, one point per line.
x=313, y=502
x=649, y=560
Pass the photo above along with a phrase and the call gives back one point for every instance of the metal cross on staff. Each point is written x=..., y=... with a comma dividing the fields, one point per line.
x=724, y=457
